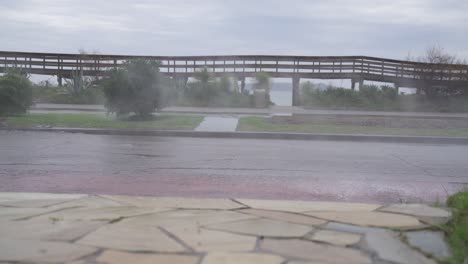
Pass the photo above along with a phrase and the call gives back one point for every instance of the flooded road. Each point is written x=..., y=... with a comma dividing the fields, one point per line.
x=271, y=169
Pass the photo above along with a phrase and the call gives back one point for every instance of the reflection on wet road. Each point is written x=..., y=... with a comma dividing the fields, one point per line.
x=309, y=170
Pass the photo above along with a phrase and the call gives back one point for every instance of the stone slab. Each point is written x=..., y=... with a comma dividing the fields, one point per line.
x=117, y=257
x=47, y=229
x=304, y=206
x=316, y=253
x=386, y=244
x=21, y=196
x=101, y=214
x=187, y=218
x=41, y=251
x=430, y=242
x=351, y=228
x=203, y=240
x=125, y=236
x=11, y=213
x=176, y=202
x=238, y=258
x=389, y=247
x=375, y=219
x=416, y=210
x=284, y=216
x=334, y=237
x=93, y=201
x=264, y=227
x=35, y=203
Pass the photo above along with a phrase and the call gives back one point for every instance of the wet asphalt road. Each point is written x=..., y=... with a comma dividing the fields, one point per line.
x=273, y=169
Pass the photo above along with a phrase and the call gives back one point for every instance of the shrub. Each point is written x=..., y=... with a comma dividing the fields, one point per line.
x=263, y=82
x=15, y=93
x=207, y=91
x=135, y=88
x=371, y=97
x=332, y=98
x=62, y=95
x=457, y=228
x=204, y=89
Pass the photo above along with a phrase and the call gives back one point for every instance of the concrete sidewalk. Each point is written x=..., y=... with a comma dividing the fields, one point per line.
x=76, y=228
x=274, y=110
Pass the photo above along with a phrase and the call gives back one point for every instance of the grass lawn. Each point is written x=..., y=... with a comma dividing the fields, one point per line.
x=457, y=228
x=261, y=124
x=163, y=122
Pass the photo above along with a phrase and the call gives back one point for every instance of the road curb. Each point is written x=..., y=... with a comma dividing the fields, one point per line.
x=68, y=109
x=253, y=135
x=270, y=113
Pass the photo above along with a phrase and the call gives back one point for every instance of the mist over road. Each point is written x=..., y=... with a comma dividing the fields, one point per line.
x=270, y=169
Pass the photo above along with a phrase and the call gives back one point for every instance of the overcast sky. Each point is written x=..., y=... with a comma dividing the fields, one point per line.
x=381, y=28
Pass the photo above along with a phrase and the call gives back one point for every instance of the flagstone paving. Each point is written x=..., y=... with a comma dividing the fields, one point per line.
x=334, y=237
x=79, y=229
x=116, y=257
x=376, y=219
x=416, y=210
x=286, y=217
x=430, y=242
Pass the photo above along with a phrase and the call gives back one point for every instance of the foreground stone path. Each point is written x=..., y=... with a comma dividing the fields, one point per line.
x=77, y=229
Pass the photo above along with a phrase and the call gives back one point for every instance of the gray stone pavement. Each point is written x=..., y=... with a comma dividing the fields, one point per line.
x=275, y=110
x=108, y=229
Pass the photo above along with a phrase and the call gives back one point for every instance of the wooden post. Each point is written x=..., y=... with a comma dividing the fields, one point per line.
x=242, y=84
x=383, y=63
x=295, y=91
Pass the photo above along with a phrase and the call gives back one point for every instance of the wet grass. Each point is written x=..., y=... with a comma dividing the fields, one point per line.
x=457, y=228
x=160, y=122
x=260, y=124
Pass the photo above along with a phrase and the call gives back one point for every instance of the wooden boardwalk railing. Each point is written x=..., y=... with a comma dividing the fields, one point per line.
x=342, y=67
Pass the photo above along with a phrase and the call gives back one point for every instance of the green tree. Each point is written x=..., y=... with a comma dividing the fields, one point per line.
x=263, y=81
x=438, y=67
x=204, y=89
x=225, y=84
x=15, y=93
x=134, y=88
